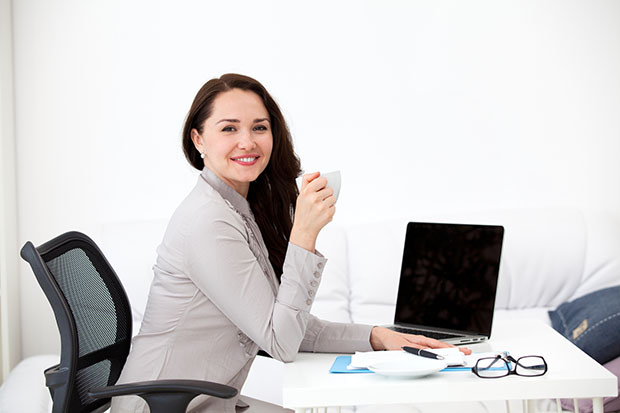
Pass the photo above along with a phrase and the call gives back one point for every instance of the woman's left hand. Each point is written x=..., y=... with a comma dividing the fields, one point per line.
x=382, y=338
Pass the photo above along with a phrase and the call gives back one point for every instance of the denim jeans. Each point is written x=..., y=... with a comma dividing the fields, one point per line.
x=592, y=323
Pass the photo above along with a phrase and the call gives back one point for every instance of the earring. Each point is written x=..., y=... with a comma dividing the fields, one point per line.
x=202, y=155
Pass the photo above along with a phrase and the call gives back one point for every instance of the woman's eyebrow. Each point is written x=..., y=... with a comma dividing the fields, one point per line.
x=228, y=120
x=238, y=121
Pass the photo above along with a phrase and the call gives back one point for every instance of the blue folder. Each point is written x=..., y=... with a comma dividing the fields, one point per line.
x=341, y=363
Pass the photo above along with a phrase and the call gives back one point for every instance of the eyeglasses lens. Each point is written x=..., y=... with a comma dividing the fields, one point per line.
x=492, y=367
x=531, y=366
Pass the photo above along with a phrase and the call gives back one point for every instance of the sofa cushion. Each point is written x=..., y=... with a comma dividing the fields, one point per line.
x=602, y=254
x=537, y=313
x=375, y=256
x=542, y=257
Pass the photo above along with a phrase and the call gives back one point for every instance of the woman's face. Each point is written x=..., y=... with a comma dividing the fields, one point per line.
x=236, y=139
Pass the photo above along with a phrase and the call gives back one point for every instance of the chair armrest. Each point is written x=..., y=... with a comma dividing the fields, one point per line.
x=165, y=395
x=165, y=386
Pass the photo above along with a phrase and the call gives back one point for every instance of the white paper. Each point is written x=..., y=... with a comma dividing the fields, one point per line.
x=451, y=355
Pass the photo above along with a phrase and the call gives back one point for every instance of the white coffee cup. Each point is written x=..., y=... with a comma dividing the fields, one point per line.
x=333, y=181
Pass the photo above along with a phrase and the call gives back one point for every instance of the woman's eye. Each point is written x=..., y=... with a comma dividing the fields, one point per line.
x=261, y=127
x=228, y=129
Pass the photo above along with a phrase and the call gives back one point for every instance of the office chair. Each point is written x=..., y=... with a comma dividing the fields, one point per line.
x=94, y=319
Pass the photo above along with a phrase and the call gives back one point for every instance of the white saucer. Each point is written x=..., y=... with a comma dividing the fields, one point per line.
x=416, y=367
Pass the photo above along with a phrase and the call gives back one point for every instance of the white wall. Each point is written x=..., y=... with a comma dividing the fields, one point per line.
x=423, y=105
x=10, y=340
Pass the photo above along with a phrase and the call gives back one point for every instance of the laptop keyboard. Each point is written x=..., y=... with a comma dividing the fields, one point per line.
x=432, y=334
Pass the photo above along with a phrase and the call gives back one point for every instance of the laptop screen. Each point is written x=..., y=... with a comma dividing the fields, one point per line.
x=449, y=276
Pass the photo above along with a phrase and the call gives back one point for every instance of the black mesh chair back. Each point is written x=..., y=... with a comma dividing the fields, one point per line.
x=93, y=315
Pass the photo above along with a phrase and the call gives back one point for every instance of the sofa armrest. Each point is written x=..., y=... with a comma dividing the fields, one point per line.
x=24, y=388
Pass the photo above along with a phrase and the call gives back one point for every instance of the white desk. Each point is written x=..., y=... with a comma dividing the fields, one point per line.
x=571, y=374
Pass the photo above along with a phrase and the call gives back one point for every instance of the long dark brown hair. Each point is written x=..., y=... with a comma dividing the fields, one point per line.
x=273, y=195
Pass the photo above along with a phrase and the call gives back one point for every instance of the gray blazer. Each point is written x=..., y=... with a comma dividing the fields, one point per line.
x=215, y=301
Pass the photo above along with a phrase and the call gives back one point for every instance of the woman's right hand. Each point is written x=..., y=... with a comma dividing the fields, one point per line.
x=314, y=209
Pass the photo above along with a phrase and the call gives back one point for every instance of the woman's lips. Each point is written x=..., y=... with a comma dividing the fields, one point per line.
x=247, y=160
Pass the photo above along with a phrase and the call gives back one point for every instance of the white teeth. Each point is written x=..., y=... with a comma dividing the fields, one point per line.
x=246, y=159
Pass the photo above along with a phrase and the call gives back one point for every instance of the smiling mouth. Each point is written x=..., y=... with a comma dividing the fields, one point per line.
x=245, y=160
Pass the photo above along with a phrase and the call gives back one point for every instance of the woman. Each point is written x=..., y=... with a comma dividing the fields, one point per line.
x=237, y=270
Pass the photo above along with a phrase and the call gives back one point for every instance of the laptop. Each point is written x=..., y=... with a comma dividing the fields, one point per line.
x=448, y=281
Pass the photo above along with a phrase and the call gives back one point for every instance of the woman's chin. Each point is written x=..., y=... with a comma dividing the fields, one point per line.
x=249, y=176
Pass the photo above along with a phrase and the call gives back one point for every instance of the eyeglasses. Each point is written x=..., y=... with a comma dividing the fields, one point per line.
x=502, y=366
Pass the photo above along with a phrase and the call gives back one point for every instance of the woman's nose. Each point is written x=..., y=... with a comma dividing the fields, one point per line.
x=246, y=141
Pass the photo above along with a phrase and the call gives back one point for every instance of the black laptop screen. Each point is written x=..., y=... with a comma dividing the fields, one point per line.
x=449, y=276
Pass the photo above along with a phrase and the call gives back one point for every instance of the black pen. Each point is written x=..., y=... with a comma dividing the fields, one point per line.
x=422, y=353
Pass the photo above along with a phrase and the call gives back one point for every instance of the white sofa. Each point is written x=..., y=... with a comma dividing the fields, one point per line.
x=549, y=256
